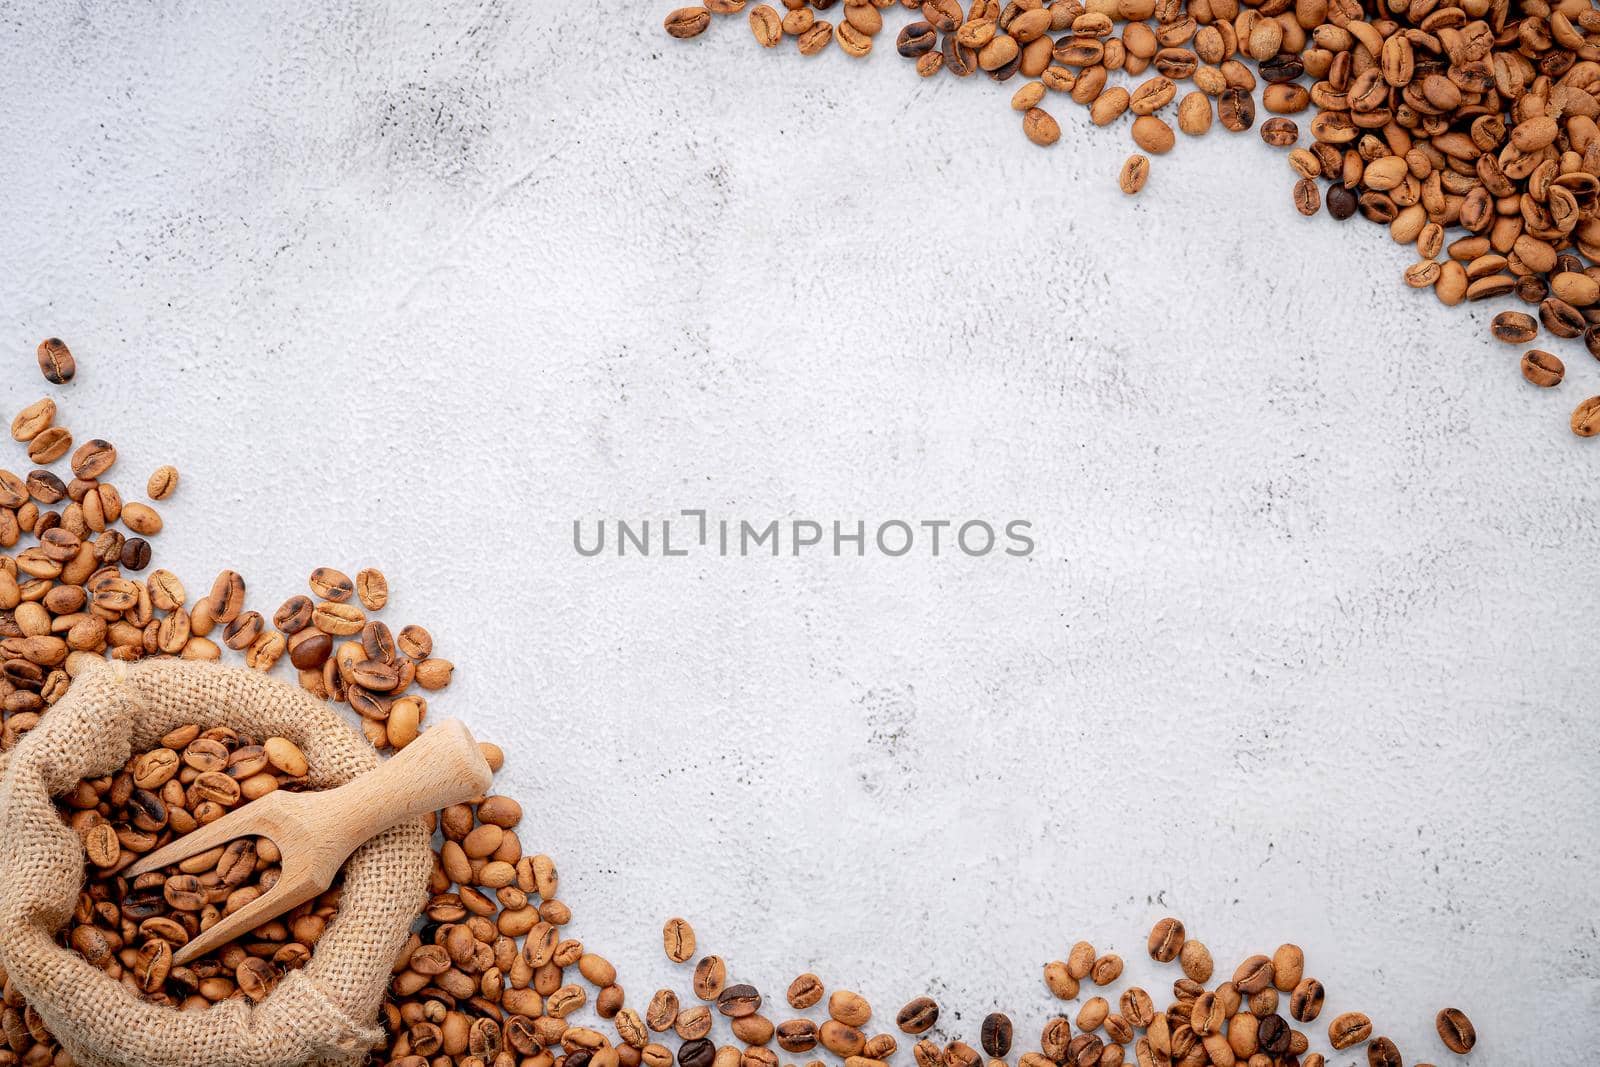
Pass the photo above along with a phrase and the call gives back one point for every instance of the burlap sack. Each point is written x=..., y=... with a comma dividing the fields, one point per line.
x=322, y=1014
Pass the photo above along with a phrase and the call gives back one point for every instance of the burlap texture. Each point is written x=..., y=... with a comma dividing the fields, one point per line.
x=322, y=1014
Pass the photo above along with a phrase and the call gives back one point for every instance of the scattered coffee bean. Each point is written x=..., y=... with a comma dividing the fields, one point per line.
x=805, y=991
x=1542, y=368
x=918, y=1016
x=1456, y=1031
x=56, y=362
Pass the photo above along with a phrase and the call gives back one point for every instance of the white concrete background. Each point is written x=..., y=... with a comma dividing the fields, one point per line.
x=1307, y=650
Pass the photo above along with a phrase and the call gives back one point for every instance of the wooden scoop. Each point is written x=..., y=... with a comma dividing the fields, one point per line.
x=316, y=832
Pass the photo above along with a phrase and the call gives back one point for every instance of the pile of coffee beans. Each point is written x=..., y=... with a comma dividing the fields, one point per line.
x=131, y=927
x=1426, y=116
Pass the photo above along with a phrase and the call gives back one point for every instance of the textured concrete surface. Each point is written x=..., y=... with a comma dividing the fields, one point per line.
x=1306, y=649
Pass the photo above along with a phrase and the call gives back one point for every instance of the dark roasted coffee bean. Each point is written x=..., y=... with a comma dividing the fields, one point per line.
x=1272, y=1033
x=1342, y=201
x=135, y=554
x=739, y=1001
x=697, y=1053
x=1456, y=1031
x=916, y=39
x=958, y=58
x=1281, y=68
x=917, y=1016
x=995, y=1035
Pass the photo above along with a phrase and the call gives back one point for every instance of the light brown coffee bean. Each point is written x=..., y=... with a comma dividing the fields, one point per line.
x=710, y=975
x=766, y=25
x=1153, y=135
x=1288, y=967
x=1040, y=127
x=1080, y=960
x=1586, y=418
x=1135, y=172
x=1541, y=368
x=163, y=482
x=1106, y=969
x=49, y=444
x=1194, y=114
x=1349, y=1029
x=33, y=420
x=815, y=38
x=849, y=1008
x=686, y=22
x=804, y=991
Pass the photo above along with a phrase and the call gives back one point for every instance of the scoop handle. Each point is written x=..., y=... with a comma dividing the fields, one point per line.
x=443, y=766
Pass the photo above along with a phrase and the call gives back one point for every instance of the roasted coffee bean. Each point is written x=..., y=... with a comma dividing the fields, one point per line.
x=1135, y=172
x=1195, y=959
x=93, y=458
x=163, y=482
x=683, y=23
x=1280, y=132
x=995, y=1035
x=1308, y=198
x=1456, y=1031
x=797, y=1035
x=1305, y=1002
x=1272, y=1033
x=56, y=362
x=1586, y=418
x=1349, y=1029
x=1106, y=969
x=697, y=1053
x=710, y=975
x=1040, y=127
x=849, y=1008
x=739, y=1001
x=33, y=420
x=1236, y=109
x=767, y=25
x=1253, y=975
x=1542, y=368
x=916, y=39
x=1514, y=328
x=918, y=1016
